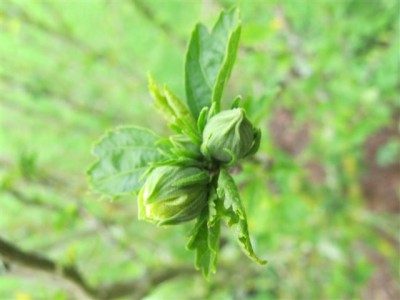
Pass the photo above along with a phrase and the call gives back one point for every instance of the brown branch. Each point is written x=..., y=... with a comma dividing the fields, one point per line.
x=70, y=276
x=21, y=262
x=32, y=201
x=102, y=225
x=140, y=288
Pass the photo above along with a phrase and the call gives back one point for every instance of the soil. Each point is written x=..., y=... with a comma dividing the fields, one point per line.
x=380, y=187
x=381, y=184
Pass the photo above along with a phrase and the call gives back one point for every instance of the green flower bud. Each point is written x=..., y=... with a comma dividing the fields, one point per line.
x=229, y=136
x=173, y=194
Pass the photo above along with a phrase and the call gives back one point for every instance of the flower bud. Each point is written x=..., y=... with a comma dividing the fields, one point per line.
x=173, y=194
x=228, y=136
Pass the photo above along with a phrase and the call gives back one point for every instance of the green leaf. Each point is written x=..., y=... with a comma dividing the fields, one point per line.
x=236, y=102
x=234, y=213
x=161, y=102
x=204, y=240
x=202, y=119
x=209, y=61
x=213, y=207
x=123, y=156
x=257, y=142
x=174, y=111
x=178, y=149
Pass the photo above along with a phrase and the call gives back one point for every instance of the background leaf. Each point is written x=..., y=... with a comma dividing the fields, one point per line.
x=322, y=181
x=174, y=111
x=209, y=61
x=124, y=156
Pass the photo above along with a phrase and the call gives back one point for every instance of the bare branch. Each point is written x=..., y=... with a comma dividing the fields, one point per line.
x=140, y=288
x=32, y=201
x=68, y=275
x=20, y=262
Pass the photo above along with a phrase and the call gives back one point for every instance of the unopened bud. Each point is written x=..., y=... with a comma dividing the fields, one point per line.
x=173, y=194
x=228, y=136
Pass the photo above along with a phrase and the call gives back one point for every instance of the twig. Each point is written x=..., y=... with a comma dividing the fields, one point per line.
x=139, y=288
x=69, y=275
x=103, y=226
x=53, y=182
x=32, y=201
x=70, y=278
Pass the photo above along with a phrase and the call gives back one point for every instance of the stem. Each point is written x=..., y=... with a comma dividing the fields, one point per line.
x=20, y=262
x=70, y=276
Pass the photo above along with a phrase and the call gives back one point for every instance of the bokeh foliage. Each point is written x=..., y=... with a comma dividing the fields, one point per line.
x=69, y=70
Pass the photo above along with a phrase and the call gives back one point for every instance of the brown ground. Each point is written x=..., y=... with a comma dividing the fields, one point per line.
x=379, y=184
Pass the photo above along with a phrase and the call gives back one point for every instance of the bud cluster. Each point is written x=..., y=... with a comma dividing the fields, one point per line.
x=173, y=194
x=186, y=176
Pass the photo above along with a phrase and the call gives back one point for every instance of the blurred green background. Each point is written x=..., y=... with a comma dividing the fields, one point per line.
x=321, y=78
